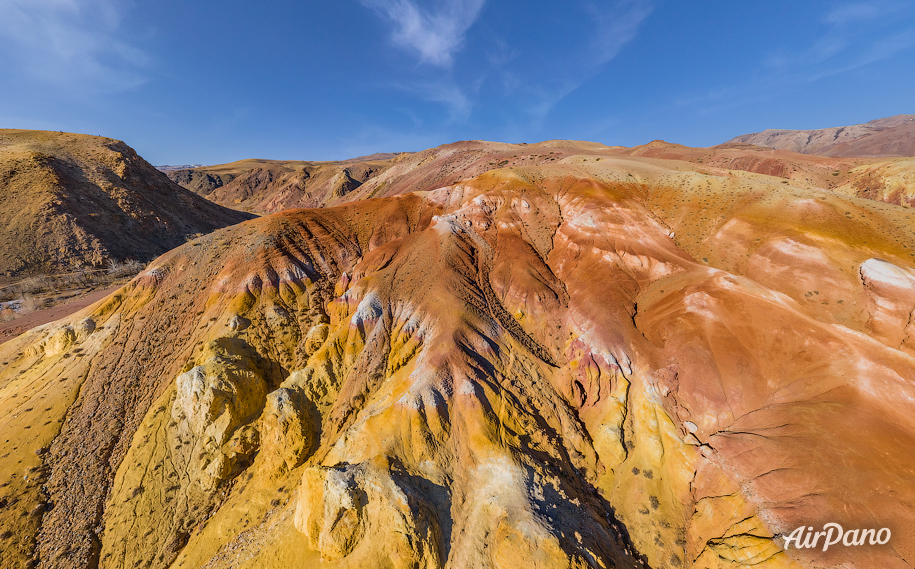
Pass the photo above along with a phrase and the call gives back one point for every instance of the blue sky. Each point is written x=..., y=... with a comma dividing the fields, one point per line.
x=214, y=81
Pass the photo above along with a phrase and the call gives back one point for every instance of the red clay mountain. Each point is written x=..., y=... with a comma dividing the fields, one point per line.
x=893, y=136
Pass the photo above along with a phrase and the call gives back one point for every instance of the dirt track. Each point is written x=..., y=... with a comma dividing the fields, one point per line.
x=10, y=330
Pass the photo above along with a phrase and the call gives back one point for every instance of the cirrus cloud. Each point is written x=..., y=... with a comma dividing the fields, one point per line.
x=434, y=34
x=76, y=44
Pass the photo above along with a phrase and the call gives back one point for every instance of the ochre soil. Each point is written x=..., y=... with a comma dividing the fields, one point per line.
x=573, y=359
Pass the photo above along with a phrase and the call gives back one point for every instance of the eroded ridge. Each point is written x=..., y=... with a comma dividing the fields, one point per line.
x=544, y=366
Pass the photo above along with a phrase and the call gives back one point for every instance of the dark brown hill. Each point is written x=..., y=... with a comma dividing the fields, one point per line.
x=69, y=201
x=268, y=186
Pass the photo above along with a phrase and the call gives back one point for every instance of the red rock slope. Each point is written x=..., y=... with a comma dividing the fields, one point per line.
x=892, y=136
x=591, y=363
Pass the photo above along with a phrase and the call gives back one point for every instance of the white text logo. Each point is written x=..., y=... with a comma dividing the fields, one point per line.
x=832, y=534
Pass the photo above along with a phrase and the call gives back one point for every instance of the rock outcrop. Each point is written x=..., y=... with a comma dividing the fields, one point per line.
x=346, y=510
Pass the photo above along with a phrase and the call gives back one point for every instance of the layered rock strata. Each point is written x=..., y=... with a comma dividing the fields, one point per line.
x=590, y=364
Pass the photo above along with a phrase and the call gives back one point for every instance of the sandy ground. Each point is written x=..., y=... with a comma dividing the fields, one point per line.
x=10, y=330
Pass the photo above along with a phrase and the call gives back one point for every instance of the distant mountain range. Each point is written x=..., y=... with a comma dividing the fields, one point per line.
x=170, y=167
x=893, y=136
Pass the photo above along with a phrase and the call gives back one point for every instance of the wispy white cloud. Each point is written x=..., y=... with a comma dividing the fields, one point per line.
x=71, y=43
x=435, y=35
x=501, y=54
x=617, y=25
x=850, y=41
x=854, y=36
x=456, y=100
x=453, y=97
x=534, y=75
x=540, y=101
x=855, y=12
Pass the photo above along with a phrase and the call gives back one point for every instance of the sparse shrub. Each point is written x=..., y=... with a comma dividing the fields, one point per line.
x=33, y=284
x=40, y=284
x=129, y=267
x=29, y=304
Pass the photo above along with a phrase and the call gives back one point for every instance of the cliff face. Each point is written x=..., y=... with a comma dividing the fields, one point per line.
x=590, y=363
x=69, y=201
